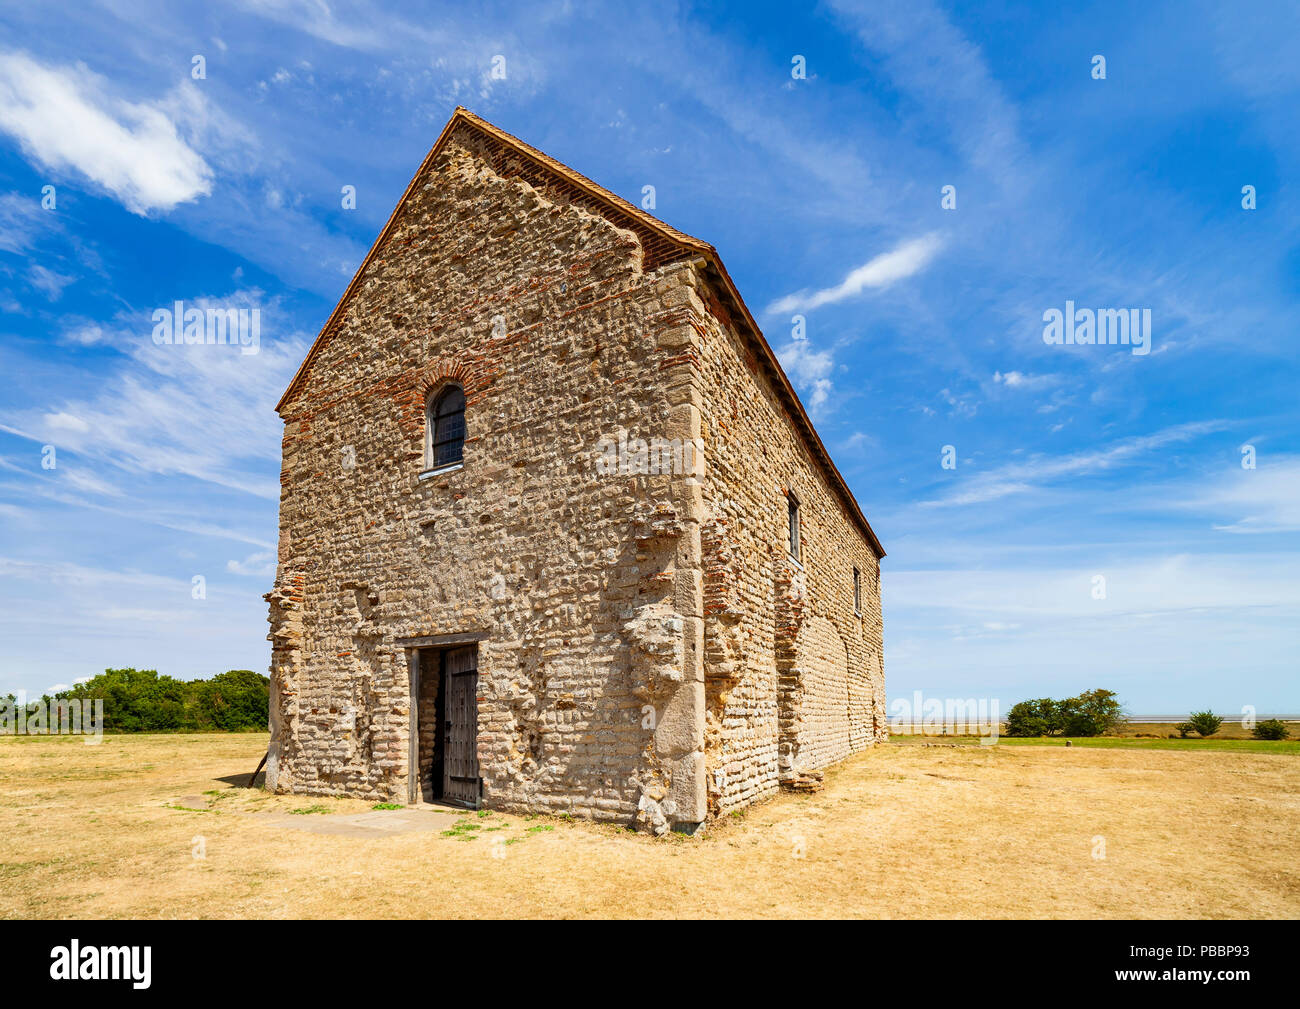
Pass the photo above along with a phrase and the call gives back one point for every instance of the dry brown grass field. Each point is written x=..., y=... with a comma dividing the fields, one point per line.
x=902, y=831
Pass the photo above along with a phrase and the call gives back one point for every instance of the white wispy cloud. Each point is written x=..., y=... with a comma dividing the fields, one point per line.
x=1167, y=628
x=48, y=282
x=61, y=421
x=810, y=369
x=88, y=483
x=85, y=334
x=67, y=120
x=202, y=411
x=1041, y=470
x=20, y=220
x=79, y=495
x=929, y=59
x=1141, y=587
x=107, y=617
x=1023, y=381
x=84, y=576
x=1261, y=500
x=360, y=28
x=909, y=258
x=261, y=564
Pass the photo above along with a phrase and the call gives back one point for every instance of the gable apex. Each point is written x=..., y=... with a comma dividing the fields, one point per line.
x=660, y=243
x=512, y=158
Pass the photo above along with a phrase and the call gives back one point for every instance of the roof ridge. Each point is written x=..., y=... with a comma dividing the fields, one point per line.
x=572, y=174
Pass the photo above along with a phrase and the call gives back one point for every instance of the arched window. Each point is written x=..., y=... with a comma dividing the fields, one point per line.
x=447, y=427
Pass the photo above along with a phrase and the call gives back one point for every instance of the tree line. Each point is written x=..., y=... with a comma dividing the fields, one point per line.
x=140, y=700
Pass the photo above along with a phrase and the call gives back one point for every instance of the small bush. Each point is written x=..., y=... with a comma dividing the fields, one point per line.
x=1270, y=728
x=1206, y=723
x=1185, y=729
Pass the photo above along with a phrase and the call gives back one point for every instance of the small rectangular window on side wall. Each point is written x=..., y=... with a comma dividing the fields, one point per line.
x=792, y=503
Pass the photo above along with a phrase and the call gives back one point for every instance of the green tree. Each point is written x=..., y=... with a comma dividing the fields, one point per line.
x=1206, y=723
x=232, y=701
x=1092, y=713
x=140, y=700
x=135, y=700
x=1041, y=717
x=1089, y=714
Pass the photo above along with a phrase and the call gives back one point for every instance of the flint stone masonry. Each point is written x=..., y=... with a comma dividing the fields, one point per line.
x=648, y=652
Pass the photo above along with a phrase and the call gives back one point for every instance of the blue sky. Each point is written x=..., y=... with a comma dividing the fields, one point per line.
x=823, y=196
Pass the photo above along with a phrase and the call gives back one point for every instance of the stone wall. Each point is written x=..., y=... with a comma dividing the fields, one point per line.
x=580, y=582
x=817, y=699
x=794, y=677
x=635, y=627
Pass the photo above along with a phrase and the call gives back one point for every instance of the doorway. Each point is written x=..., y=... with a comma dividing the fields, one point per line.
x=446, y=710
x=456, y=746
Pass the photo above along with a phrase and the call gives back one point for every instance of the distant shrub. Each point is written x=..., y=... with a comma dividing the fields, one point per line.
x=1185, y=729
x=1206, y=723
x=1270, y=728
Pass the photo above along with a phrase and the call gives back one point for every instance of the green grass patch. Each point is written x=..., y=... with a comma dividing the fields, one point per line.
x=309, y=810
x=387, y=805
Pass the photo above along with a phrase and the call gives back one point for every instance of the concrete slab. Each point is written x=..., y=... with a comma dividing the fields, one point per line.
x=377, y=823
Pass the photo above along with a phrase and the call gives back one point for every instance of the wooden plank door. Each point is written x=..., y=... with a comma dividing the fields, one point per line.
x=460, y=781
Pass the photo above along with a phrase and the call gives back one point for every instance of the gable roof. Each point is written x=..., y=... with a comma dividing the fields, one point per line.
x=661, y=243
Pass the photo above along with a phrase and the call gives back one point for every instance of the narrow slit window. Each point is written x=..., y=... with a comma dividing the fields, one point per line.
x=792, y=504
x=857, y=591
x=447, y=427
